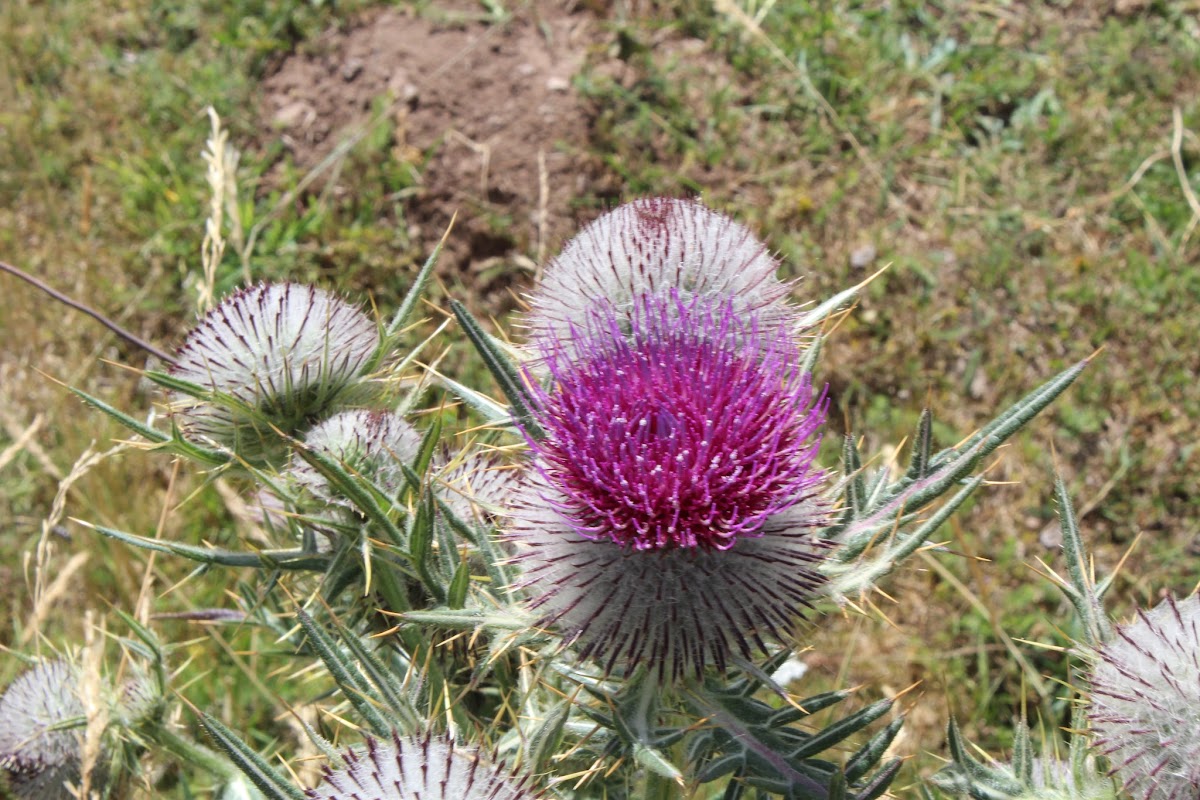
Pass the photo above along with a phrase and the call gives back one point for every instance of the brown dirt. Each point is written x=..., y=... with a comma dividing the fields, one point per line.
x=485, y=114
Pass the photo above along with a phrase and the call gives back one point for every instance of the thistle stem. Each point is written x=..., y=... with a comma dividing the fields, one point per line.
x=659, y=787
x=91, y=312
x=194, y=753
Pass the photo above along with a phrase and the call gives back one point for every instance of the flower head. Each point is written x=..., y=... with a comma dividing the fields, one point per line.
x=431, y=768
x=1145, y=702
x=670, y=518
x=286, y=353
x=374, y=444
x=656, y=246
x=476, y=487
x=41, y=721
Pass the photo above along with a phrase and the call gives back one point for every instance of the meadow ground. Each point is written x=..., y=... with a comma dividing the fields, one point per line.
x=1028, y=171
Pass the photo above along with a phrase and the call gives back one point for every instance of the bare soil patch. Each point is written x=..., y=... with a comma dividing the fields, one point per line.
x=484, y=112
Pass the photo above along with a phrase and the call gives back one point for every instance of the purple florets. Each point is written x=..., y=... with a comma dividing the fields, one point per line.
x=689, y=429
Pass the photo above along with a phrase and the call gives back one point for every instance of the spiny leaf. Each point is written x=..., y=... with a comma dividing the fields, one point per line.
x=294, y=560
x=502, y=369
x=345, y=673
x=255, y=767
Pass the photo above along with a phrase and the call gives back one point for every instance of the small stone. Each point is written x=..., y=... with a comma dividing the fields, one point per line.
x=862, y=257
x=557, y=83
x=295, y=114
x=352, y=69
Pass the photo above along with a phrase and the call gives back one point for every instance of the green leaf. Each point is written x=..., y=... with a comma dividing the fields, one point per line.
x=502, y=369
x=388, y=689
x=1086, y=598
x=807, y=707
x=657, y=763
x=996, y=432
x=424, y=457
x=484, y=406
x=546, y=738
x=869, y=754
x=918, y=465
x=842, y=729
x=345, y=673
x=457, y=596
x=134, y=425
x=881, y=781
x=255, y=767
x=856, y=487
x=292, y=560
x=409, y=303
x=984, y=783
x=720, y=767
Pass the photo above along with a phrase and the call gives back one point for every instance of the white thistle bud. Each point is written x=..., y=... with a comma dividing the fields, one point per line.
x=477, y=487
x=432, y=768
x=290, y=353
x=1145, y=702
x=374, y=444
x=41, y=722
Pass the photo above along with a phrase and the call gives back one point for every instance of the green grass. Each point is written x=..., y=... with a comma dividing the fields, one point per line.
x=986, y=153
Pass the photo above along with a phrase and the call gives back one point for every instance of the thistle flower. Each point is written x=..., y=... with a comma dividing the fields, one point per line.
x=41, y=720
x=431, y=768
x=689, y=430
x=670, y=519
x=1145, y=702
x=374, y=444
x=655, y=246
x=477, y=487
x=287, y=354
x=1055, y=779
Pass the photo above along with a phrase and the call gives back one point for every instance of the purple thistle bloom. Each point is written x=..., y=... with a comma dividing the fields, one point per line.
x=1145, y=702
x=431, y=768
x=670, y=520
x=689, y=430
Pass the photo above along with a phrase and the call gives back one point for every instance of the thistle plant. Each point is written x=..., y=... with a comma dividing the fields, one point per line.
x=600, y=590
x=1135, y=729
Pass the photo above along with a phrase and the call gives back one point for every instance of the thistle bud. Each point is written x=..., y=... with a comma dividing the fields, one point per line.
x=288, y=355
x=1145, y=702
x=432, y=768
